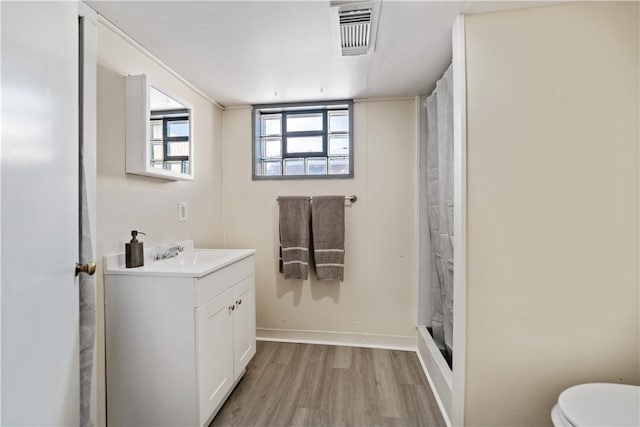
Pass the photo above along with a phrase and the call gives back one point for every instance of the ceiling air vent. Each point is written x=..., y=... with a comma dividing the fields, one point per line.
x=355, y=31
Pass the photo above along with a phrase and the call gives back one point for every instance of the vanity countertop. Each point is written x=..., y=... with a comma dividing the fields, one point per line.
x=189, y=263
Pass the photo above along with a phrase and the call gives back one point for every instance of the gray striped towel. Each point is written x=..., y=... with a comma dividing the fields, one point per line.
x=327, y=219
x=294, y=236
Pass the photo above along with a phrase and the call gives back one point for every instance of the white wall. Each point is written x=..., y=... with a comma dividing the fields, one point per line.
x=552, y=128
x=376, y=301
x=128, y=202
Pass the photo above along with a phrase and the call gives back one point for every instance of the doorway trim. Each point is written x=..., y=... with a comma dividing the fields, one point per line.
x=459, y=220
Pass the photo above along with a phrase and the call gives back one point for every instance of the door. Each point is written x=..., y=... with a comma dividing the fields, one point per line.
x=39, y=223
x=214, y=337
x=244, y=324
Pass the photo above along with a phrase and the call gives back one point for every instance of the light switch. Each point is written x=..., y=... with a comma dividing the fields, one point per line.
x=182, y=211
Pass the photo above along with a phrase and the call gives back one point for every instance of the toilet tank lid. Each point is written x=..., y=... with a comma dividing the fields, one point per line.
x=601, y=404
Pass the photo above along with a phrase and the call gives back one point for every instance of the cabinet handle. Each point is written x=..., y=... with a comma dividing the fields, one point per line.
x=239, y=302
x=232, y=307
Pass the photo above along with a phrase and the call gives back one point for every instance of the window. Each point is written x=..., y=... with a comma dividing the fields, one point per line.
x=170, y=140
x=303, y=140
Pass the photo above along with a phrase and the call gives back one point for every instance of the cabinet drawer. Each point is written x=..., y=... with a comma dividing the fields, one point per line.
x=214, y=284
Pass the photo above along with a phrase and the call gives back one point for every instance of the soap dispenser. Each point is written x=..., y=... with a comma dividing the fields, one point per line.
x=134, y=251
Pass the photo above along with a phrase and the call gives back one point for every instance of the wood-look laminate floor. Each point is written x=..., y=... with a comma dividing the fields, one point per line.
x=290, y=384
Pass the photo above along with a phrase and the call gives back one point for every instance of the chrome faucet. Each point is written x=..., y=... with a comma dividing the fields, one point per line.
x=168, y=252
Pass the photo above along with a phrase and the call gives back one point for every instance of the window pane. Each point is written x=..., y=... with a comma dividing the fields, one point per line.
x=185, y=166
x=306, y=144
x=272, y=168
x=294, y=166
x=339, y=145
x=304, y=122
x=178, y=128
x=156, y=130
x=173, y=166
x=271, y=124
x=338, y=121
x=156, y=151
x=180, y=148
x=338, y=166
x=316, y=166
x=158, y=165
x=272, y=147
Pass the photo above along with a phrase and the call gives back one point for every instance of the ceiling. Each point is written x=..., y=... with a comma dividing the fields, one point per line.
x=248, y=52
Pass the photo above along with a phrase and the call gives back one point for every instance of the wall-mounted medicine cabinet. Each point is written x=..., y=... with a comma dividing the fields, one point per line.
x=159, y=132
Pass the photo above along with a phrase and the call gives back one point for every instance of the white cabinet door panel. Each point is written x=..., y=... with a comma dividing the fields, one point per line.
x=214, y=328
x=244, y=329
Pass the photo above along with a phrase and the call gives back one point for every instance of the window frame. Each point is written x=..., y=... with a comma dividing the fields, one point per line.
x=295, y=108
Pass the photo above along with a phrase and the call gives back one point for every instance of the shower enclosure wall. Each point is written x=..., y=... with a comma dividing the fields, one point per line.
x=441, y=119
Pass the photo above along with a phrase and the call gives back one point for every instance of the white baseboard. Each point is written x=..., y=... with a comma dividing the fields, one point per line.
x=390, y=342
x=437, y=372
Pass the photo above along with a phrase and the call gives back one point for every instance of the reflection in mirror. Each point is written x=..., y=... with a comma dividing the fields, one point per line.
x=169, y=133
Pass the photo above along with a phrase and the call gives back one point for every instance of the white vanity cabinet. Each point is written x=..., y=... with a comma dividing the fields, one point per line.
x=179, y=338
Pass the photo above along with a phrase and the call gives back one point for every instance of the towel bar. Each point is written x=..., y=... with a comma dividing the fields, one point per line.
x=353, y=198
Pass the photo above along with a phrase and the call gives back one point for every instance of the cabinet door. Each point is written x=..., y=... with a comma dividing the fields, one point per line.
x=214, y=329
x=244, y=324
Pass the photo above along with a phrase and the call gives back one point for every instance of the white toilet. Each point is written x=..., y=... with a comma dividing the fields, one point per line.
x=598, y=404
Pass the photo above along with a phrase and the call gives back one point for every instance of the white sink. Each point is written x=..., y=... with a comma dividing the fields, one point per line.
x=190, y=263
x=198, y=256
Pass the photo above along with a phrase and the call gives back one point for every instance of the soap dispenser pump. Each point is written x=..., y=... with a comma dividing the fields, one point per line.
x=134, y=251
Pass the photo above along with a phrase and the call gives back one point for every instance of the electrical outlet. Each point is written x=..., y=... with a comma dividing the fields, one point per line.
x=182, y=211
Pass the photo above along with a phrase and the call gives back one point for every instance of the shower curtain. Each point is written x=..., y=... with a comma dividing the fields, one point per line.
x=439, y=112
x=87, y=101
x=87, y=309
